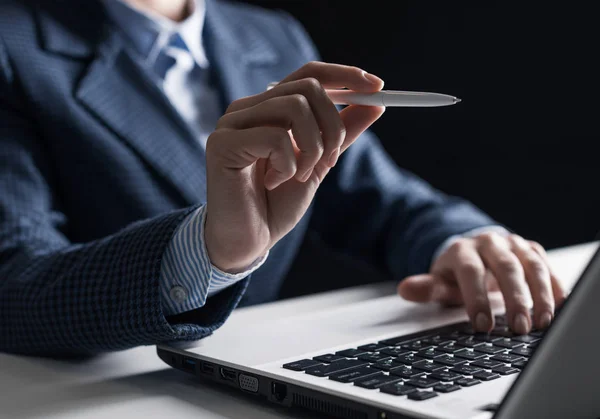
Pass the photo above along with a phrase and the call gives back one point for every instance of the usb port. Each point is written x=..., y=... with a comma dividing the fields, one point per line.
x=207, y=368
x=189, y=364
x=228, y=374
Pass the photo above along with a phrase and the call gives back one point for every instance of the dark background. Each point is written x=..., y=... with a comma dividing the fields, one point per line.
x=522, y=145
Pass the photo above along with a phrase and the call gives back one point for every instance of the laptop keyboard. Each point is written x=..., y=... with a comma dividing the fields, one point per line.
x=423, y=365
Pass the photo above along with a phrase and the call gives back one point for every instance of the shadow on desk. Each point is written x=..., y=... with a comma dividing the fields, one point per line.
x=51, y=395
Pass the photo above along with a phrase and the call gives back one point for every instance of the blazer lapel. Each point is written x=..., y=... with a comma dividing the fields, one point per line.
x=238, y=53
x=122, y=95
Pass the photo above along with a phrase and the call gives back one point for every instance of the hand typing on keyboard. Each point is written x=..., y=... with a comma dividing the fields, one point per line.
x=473, y=267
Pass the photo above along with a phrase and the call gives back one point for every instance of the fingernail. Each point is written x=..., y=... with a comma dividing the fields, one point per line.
x=545, y=320
x=521, y=324
x=372, y=78
x=333, y=157
x=482, y=322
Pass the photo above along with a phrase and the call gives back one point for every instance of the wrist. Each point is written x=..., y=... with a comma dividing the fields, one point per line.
x=227, y=252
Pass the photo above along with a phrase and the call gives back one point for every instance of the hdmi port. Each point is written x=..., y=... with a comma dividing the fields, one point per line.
x=227, y=374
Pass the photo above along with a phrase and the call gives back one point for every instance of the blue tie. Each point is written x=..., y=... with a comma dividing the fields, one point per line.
x=164, y=62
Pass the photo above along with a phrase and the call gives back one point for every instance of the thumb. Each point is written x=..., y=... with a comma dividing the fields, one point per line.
x=429, y=288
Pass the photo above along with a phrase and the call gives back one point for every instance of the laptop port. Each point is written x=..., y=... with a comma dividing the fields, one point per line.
x=207, y=368
x=279, y=391
x=248, y=383
x=227, y=374
x=189, y=364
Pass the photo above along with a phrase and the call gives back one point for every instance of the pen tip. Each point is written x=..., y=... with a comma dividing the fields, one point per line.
x=456, y=100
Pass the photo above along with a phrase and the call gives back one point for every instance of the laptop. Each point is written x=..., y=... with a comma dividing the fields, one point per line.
x=384, y=358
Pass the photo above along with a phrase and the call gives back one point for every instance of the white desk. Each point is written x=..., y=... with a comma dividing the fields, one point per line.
x=135, y=383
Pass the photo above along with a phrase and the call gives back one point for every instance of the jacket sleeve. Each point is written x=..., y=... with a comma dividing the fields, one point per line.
x=369, y=208
x=61, y=298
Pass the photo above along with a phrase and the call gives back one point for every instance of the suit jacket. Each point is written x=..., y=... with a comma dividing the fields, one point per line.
x=97, y=170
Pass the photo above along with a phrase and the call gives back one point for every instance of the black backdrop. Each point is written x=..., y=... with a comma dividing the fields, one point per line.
x=522, y=144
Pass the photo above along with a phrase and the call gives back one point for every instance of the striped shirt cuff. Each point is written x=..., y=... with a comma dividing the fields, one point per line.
x=188, y=277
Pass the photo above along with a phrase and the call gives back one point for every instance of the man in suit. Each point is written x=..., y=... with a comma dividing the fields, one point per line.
x=149, y=184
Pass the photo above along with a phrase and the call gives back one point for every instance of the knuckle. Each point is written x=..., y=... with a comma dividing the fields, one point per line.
x=507, y=266
x=459, y=245
x=471, y=271
x=312, y=85
x=488, y=237
x=536, y=267
x=300, y=104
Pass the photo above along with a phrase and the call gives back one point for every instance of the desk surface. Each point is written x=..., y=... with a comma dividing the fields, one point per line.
x=135, y=383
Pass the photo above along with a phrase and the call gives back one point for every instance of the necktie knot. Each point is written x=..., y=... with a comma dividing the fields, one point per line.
x=174, y=51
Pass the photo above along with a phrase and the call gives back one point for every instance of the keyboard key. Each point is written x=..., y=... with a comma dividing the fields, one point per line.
x=502, y=331
x=450, y=360
x=351, y=353
x=467, y=382
x=421, y=395
x=485, y=376
x=422, y=382
x=537, y=333
x=301, y=365
x=469, y=342
x=507, y=343
x=405, y=371
x=487, y=363
x=489, y=349
x=415, y=345
x=408, y=359
x=469, y=354
x=385, y=364
x=446, y=388
x=430, y=353
x=526, y=338
x=347, y=376
x=394, y=351
x=522, y=351
x=397, y=389
x=435, y=340
x=445, y=375
x=507, y=358
x=449, y=347
x=324, y=370
x=504, y=370
x=373, y=347
x=427, y=366
x=485, y=337
x=376, y=381
x=398, y=340
x=534, y=344
x=466, y=369
x=519, y=364
x=373, y=356
x=329, y=358
x=453, y=334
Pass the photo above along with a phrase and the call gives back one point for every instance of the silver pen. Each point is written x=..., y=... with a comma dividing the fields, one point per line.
x=388, y=98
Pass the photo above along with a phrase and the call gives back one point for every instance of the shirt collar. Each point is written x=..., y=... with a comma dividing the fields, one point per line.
x=149, y=32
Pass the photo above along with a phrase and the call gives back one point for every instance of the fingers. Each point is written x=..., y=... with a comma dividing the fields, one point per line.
x=287, y=112
x=506, y=267
x=465, y=263
x=333, y=131
x=557, y=289
x=429, y=288
x=357, y=119
x=537, y=276
x=334, y=76
x=237, y=149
